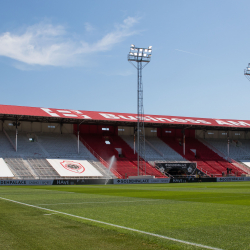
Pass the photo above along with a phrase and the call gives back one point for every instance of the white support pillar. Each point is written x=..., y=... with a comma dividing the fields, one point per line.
x=78, y=141
x=16, y=138
x=134, y=142
x=183, y=141
x=228, y=142
x=78, y=136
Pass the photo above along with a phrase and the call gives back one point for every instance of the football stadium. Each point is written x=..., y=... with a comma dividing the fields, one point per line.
x=92, y=160
x=71, y=179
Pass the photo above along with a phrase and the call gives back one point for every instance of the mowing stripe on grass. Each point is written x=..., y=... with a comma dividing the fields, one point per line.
x=114, y=225
x=86, y=202
x=152, y=200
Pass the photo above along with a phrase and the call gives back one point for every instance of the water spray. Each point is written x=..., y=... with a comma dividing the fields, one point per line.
x=112, y=160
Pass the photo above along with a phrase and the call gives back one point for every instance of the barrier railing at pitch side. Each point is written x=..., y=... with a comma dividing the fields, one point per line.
x=92, y=151
x=203, y=170
x=240, y=166
x=208, y=173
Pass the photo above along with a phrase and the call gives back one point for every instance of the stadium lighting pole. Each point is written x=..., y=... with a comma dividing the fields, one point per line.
x=247, y=72
x=139, y=58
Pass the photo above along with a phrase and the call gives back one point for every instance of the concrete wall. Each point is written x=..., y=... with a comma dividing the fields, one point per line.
x=122, y=130
x=151, y=132
x=130, y=131
x=8, y=125
x=220, y=134
x=38, y=127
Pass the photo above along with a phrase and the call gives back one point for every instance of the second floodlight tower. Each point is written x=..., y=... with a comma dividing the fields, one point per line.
x=139, y=58
x=247, y=72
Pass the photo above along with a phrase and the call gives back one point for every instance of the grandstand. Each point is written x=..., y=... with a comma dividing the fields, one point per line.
x=155, y=150
x=42, y=143
x=34, y=149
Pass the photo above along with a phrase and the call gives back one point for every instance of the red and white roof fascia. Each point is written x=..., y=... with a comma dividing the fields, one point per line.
x=122, y=117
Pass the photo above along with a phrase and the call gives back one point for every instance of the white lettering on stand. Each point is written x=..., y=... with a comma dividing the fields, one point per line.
x=109, y=116
x=48, y=111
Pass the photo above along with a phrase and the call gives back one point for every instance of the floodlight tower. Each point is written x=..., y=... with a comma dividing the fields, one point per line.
x=142, y=57
x=247, y=72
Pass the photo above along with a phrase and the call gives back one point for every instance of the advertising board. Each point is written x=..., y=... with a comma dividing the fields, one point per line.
x=191, y=179
x=73, y=168
x=82, y=181
x=176, y=168
x=141, y=181
x=25, y=182
x=5, y=172
x=233, y=178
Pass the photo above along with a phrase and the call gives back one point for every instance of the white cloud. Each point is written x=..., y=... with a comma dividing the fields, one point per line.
x=46, y=44
x=188, y=52
x=89, y=27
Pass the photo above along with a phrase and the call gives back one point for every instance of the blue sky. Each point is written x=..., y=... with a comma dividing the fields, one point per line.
x=73, y=55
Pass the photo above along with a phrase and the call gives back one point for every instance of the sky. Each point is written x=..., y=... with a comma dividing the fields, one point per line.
x=73, y=55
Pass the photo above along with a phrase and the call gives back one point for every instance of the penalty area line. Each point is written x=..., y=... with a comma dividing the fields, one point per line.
x=114, y=225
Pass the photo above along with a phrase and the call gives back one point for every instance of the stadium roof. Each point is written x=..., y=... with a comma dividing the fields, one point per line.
x=9, y=112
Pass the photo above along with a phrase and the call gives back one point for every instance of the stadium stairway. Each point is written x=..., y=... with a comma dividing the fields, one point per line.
x=207, y=160
x=128, y=152
x=18, y=162
x=155, y=150
x=126, y=163
x=65, y=146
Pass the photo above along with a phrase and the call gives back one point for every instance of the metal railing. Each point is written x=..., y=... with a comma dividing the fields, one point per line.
x=92, y=151
x=227, y=158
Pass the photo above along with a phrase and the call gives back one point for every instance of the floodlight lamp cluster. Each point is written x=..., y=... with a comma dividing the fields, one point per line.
x=140, y=54
x=247, y=70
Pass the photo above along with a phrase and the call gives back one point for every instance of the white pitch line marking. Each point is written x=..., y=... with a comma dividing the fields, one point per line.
x=117, y=226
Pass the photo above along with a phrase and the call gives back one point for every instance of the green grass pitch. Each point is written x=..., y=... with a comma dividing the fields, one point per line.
x=216, y=215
